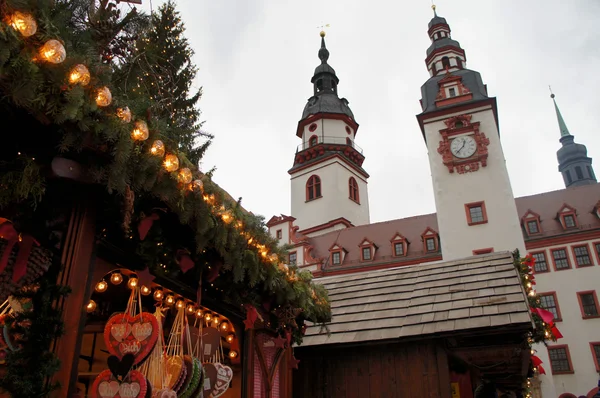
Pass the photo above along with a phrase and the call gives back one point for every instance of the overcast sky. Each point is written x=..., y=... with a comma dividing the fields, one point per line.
x=256, y=59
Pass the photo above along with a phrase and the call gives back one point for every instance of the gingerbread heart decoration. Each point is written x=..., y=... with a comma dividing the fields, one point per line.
x=224, y=377
x=135, y=385
x=124, y=334
x=211, y=339
x=210, y=377
x=120, y=367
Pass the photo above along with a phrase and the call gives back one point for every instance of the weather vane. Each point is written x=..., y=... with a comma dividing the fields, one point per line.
x=322, y=27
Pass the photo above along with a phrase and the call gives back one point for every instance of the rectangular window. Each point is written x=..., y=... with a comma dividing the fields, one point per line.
x=560, y=361
x=582, y=256
x=399, y=249
x=541, y=265
x=293, y=258
x=549, y=302
x=561, y=261
x=430, y=244
x=476, y=213
x=532, y=227
x=452, y=92
x=596, y=354
x=366, y=253
x=569, y=221
x=336, y=258
x=279, y=234
x=589, y=304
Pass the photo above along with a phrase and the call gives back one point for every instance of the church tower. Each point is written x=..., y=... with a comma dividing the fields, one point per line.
x=475, y=205
x=573, y=162
x=329, y=185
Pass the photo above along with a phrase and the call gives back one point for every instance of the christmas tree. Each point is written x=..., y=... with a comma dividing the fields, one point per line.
x=161, y=70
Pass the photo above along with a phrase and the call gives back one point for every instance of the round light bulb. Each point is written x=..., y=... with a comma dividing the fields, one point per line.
x=184, y=176
x=132, y=283
x=24, y=23
x=199, y=313
x=103, y=97
x=171, y=162
x=116, y=278
x=101, y=286
x=91, y=306
x=197, y=185
x=124, y=114
x=224, y=326
x=79, y=75
x=207, y=317
x=145, y=290
x=191, y=309
x=140, y=131
x=170, y=300
x=53, y=51
x=230, y=338
x=158, y=295
x=180, y=303
x=158, y=148
x=215, y=321
x=233, y=354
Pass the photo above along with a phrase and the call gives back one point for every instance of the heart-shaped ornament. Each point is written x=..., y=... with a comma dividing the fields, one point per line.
x=210, y=377
x=120, y=367
x=165, y=393
x=175, y=367
x=124, y=334
x=211, y=339
x=105, y=386
x=224, y=377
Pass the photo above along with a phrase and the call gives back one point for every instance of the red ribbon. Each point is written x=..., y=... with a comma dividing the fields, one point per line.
x=145, y=225
x=536, y=361
x=557, y=334
x=541, y=370
x=26, y=242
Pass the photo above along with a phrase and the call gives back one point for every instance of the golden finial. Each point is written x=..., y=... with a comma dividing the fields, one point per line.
x=322, y=33
x=322, y=27
x=433, y=8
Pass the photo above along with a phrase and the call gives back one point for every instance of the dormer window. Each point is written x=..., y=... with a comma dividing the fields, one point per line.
x=336, y=258
x=430, y=241
x=533, y=227
x=531, y=222
x=366, y=253
x=336, y=254
x=452, y=92
x=567, y=217
x=399, y=245
x=367, y=250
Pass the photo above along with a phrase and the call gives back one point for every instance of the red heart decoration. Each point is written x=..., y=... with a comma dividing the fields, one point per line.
x=106, y=386
x=224, y=377
x=124, y=334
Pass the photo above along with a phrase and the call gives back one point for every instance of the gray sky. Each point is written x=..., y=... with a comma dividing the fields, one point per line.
x=256, y=59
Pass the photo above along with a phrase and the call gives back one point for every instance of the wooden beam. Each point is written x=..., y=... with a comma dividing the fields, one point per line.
x=443, y=371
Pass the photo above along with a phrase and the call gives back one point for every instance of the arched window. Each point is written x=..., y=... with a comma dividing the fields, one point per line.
x=579, y=172
x=319, y=85
x=433, y=68
x=313, y=188
x=314, y=140
x=445, y=62
x=353, y=190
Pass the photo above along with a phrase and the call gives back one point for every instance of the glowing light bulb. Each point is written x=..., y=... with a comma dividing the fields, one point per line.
x=24, y=23
x=230, y=338
x=79, y=75
x=124, y=114
x=180, y=304
x=91, y=306
x=116, y=278
x=158, y=295
x=101, y=286
x=233, y=354
x=224, y=326
x=53, y=51
x=103, y=97
x=158, y=148
x=184, y=176
x=191, y=309
x=171, y=162
x=132, y=283
x=207, y=317
x=145, y=290
x=140, y=131
x=170, y=300
x=199, y=313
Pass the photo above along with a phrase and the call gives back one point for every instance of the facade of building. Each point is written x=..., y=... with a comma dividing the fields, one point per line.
x=476, y=213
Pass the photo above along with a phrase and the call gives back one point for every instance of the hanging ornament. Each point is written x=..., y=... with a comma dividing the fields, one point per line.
x=79, y=75
x=24, y=23
x=124, y=114
x=196, y=185
x=91, y=307
x=103, y=97
x=140, y=131
x=116, y=278
x=184, y=176
x=101, y=286
x=171, y=162
x=53, y=51
x=158, y=148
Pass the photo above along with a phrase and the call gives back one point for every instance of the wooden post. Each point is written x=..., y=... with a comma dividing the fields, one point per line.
x=78, y=260
x=443, y=371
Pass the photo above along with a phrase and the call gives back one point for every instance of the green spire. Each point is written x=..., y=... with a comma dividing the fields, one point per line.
x=564, y=131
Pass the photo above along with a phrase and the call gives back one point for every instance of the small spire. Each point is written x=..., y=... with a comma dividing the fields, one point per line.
x=564, y=131
x=323, y=52
x=433, y=8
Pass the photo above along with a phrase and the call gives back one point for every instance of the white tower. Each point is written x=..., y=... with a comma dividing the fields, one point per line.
x=329, y=185
x=476, y=208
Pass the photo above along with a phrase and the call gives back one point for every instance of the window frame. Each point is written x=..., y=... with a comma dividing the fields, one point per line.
x=313, y=187
x=295, y=262
x=469, y=206
x=595, y=297
x=366, y=243
x=566, y=250
x=310, y=141
x=436, y=240
x=548, y=266
x=399, y=239
x=568, y=354
x=553, y=294
x=571, y=212
x=338, y=252
x=362, y=253
x=353, y=190
x=591, y=264
x=594, y=356
x=596, y=250
x=279, y=234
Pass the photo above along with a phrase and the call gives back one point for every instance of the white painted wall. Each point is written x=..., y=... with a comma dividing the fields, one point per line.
x=329, y=131
x=489, y=184
x=335, y=202
x=578, y=332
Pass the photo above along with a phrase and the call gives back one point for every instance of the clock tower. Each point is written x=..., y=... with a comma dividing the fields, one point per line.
x=475, y=205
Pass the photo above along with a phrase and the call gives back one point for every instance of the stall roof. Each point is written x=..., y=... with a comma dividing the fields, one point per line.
x=425, y=299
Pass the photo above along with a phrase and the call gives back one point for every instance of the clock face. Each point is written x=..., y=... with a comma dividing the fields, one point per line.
x=463, y=147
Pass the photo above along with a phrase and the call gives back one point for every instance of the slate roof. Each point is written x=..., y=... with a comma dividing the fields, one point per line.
x=433, y=298
x=470, y=79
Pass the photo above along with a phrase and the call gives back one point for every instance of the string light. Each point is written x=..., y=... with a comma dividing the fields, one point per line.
x=180, y=304
x=53, y=51
x=224, y=326
x=145, y=290
x=91, y=306
x=230, y=337
x=158, y=295
x=101, y=286
x=140, y=131
x=132, y=283
x=79, y=75
x=184, y=176
x=24, y=23
x=171, y=162
x=158, y=148
x=124, y=114
x=103, y=97
x=191, y=309
x=199, y=313
x=207, y=317
x=116, y=278
x=170, y=300
x=233, y=354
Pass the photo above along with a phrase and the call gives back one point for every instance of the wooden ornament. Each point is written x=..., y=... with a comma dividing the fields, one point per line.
x=224, y=377
x=124, y=334
x=106, y=386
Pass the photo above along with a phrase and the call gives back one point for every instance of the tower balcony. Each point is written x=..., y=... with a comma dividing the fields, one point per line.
x=319, y=147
